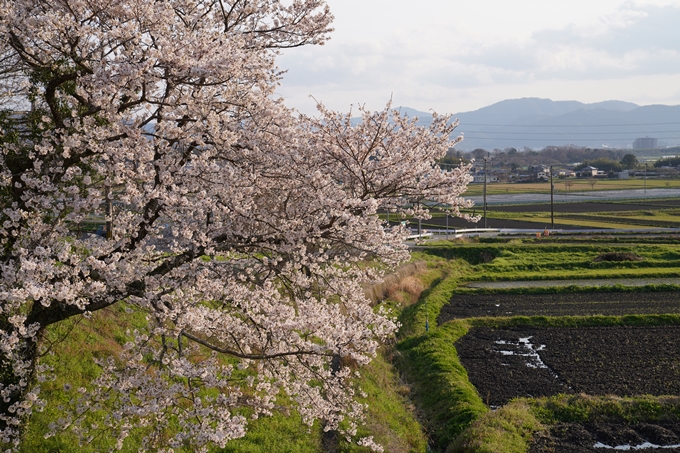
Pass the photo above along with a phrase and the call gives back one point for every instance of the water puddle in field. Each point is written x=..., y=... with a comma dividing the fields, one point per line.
x=644, y=446
x=580, y=283
x=523, y=348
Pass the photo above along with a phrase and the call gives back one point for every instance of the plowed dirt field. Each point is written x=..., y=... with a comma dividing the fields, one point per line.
x=532, y=362
x=603, y=437
x=564, y=304
x=622, y=361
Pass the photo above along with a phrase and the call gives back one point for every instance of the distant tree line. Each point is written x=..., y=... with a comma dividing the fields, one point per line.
x=627, y=162
x=566, y=155
x=668, y=162
x=453, y=158
x=607, y=160
x=551, y=155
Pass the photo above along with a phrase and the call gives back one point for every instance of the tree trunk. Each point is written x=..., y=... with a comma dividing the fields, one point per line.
x=17, y=377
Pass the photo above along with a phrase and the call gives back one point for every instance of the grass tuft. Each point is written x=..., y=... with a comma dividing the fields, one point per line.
x=508, y=430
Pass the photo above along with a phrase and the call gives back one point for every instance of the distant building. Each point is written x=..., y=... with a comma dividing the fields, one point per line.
x=479, y=177
x=588, y=172
x=542, y=176
x=501, y=175
x=646, y=143
x=539, y=168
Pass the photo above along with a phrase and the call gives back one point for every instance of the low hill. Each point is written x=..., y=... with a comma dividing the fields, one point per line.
x=537, y=123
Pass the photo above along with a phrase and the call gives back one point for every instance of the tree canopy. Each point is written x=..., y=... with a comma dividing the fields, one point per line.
x=241, y=229
x=668, y=162
x=602, y=164
x=629, y=161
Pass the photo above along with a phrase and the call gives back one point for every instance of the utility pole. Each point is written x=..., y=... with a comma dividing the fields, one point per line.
x=420, y=230
x=645, y=179
x=109, y=213
x=552, y=206
x=485, y=178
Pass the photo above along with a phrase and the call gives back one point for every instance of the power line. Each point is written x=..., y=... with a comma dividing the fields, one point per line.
x=571, y=133
x=564, y=125
x=560, y=138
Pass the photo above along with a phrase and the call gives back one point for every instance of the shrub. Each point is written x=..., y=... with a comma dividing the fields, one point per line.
x=618, y=256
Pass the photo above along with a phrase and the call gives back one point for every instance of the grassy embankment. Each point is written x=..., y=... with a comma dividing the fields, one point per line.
x=74, y=346
x=559, y=260
x=455, y=416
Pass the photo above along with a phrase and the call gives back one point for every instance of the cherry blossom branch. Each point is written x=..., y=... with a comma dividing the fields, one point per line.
x=241, y=355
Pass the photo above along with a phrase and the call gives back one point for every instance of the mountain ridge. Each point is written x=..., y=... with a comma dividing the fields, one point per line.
x=537, y=123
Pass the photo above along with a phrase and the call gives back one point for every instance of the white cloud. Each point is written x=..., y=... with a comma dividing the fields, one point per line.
x=660, y=3
x=471, y=54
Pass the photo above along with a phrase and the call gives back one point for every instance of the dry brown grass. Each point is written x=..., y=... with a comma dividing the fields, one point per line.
x=407, y=291
x=465, y=240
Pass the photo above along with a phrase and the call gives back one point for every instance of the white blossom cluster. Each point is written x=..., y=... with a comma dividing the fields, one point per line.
x=242, y=229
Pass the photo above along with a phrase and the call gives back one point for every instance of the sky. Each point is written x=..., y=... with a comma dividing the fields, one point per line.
x=455, y=56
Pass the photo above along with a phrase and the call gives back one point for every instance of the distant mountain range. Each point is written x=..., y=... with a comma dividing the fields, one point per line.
x=537, y=123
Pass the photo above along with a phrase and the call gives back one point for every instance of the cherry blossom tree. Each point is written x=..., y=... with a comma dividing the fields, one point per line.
x=242, y=229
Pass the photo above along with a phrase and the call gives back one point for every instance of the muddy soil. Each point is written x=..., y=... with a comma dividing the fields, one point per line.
x=603, y=437
x=565, y=304
x=532, y=362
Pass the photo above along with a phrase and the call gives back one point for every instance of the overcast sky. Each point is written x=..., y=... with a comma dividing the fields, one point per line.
x=456, y=56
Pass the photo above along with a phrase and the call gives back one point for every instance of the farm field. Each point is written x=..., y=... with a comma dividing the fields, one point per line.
x=575, y=284
x=561, y=304
x=582, y=436
x=537, y=361
x=572, y=185
x=558, y=369
x=594, y=206
x=629, y=214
